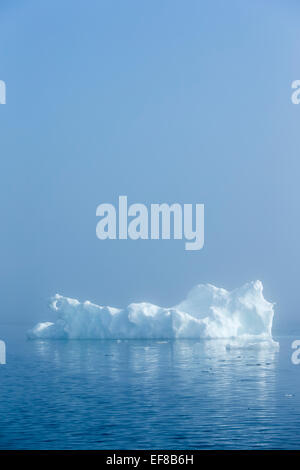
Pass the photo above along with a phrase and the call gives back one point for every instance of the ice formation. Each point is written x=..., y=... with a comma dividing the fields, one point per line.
x=207, y=312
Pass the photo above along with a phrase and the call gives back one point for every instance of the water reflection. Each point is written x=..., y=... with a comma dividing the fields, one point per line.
x=147, y=394
x=179, y=389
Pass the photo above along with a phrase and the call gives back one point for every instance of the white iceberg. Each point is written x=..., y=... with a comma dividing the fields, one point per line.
x=208, y=312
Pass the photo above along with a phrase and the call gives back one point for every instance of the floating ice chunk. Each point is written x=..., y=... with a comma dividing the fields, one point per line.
x=207, y=312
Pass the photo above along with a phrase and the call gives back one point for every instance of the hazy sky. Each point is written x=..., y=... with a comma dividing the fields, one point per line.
x=162, y=101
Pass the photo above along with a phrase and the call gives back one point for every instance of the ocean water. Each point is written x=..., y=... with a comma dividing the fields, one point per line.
x=147, y=394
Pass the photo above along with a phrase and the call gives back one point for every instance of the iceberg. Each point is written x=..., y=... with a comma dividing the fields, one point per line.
x=208, y=312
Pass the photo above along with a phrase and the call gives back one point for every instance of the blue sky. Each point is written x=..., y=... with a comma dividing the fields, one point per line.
x=162, y=101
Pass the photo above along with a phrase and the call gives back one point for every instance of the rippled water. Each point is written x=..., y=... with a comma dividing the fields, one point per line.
x=147, y=395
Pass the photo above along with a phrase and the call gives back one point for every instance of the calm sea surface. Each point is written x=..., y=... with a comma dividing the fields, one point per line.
x=147, y=395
